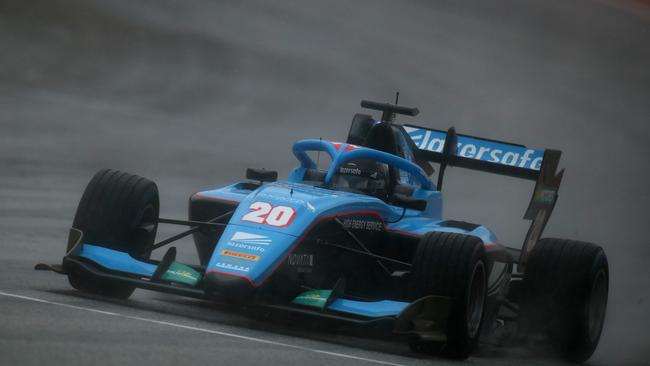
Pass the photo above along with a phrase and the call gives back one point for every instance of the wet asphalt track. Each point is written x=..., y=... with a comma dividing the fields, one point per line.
x=191, y=94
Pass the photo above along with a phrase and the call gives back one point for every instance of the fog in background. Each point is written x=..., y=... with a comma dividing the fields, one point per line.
x=189, y=94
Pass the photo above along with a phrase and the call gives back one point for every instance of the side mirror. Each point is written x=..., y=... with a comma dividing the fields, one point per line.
x=409, y=202
x=261, y=175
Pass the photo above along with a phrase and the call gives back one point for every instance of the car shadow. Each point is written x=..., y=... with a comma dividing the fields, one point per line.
x=366, y=339
x=230, y=316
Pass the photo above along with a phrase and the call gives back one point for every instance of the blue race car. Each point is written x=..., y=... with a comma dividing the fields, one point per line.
x=360, y=240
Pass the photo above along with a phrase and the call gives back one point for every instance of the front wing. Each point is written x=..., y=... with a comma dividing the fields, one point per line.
x=425, y=317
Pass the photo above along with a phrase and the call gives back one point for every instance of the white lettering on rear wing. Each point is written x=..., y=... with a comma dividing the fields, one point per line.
x=478, y=149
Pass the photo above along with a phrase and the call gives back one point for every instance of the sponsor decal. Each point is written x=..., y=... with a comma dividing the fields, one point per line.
x=314, y=295
x=349, y=170
x=545, y=196
x=249, y=241
x=233, y=260
x=249, y=238
x=474, y=148
x=363, y=224
x=283, y=198
x=301, y=260
x=313, y=298
x=252, y=248
x=266, y=213
x=232, y=253
x=233, y=267
x=289, y=199
x=182, y=273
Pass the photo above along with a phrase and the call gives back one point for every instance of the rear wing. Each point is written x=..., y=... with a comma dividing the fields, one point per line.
x=448, y=148
x=504, y=158
x=476, y=153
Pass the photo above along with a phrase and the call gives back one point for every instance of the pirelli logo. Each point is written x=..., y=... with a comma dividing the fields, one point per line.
x=232, y=253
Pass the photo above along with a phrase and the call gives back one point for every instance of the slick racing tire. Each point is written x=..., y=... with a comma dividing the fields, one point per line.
x=452, y=265
x=565, y=295
x=118, y=211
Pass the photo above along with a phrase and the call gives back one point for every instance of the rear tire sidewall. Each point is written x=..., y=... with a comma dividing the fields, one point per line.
x=460, y=340
x=476, y=298
x=590, y=325
x=566, y=286
x=449, y=264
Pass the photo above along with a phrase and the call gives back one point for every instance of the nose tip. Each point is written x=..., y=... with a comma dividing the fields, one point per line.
x=229, y=283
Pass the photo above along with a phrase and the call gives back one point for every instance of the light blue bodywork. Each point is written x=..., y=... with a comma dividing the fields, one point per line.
x=313, y=204
x=254, y=250
x=371, y=309
x=116, y=260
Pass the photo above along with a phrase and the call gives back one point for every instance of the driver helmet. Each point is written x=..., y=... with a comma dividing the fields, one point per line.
x=365, y=176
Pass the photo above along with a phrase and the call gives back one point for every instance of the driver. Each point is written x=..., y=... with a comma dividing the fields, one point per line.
x=365, y=176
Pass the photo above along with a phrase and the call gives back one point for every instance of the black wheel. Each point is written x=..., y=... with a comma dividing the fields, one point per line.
x=453, y=265
x=118, y=211
x=565, y=295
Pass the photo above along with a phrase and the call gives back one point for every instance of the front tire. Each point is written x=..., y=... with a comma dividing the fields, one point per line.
x=452, y=265
x=565, y=286
x=118, y=211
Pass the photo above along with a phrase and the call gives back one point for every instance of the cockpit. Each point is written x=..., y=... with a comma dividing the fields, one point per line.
x=363, y=176
x=355, y=169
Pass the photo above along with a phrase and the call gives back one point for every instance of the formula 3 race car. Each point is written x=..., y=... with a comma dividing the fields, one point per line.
x=362, y=241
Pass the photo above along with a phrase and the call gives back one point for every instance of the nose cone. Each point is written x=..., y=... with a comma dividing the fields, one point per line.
x=246, y=255
x=228, y=284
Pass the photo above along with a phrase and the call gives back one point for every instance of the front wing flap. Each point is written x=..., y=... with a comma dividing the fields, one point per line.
x=425, y=317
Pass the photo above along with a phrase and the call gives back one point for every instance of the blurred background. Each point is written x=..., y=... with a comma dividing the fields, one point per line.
x=189, y=94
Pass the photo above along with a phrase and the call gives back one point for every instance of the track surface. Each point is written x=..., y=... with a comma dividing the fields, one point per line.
x=191, y=94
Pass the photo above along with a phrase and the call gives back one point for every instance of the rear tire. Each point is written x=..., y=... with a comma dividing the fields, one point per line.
x=453, y=265
x=565, y=295
x=118, y=211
